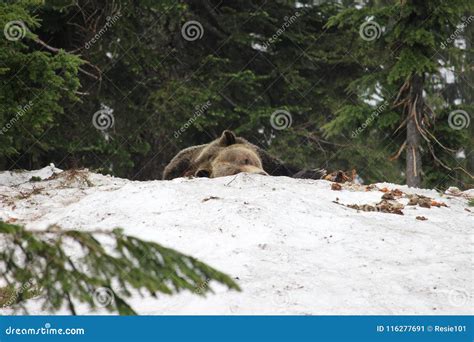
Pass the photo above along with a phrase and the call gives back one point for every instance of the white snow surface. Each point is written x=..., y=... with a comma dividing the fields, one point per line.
x=288, y=245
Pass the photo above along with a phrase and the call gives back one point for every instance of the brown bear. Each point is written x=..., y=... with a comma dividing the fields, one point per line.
x=227, y=155
x=231, y=160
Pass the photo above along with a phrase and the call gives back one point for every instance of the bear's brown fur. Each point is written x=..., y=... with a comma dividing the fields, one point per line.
x=235, y=159
x=228, y=155
x=224, y=156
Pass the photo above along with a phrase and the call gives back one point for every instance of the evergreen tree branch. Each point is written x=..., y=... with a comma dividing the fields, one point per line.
x=112, y=267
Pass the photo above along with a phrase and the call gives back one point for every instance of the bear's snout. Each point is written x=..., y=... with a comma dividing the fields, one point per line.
x=228, y=169
x=254, y=169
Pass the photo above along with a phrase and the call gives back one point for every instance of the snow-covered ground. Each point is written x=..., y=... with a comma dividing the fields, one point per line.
x=291, y=248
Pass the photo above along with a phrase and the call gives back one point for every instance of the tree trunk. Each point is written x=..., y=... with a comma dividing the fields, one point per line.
x=413, y=168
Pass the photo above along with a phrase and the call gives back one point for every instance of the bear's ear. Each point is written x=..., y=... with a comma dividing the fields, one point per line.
x=227, y=138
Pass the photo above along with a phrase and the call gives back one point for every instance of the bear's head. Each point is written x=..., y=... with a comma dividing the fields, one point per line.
x=226, y=156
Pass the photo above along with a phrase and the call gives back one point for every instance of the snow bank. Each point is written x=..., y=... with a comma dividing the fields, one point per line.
x=291, y=248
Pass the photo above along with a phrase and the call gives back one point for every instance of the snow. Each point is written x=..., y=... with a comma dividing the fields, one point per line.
x=291, y=248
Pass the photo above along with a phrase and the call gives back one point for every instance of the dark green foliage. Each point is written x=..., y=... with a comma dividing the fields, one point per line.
x=126, y=264
x=412, y=35
x=34, y=83
x=317, y=68
x=155, y=83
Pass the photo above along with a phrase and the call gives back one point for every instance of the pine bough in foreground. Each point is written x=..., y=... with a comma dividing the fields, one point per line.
x=105, y=275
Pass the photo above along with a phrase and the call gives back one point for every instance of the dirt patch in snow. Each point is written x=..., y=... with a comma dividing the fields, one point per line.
x=289, y=243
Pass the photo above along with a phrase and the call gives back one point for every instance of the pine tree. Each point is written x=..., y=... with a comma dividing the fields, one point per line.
x=34, y=84
x=399, y=44
x=111, y=267
x=254, y=58
x=249, y=60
